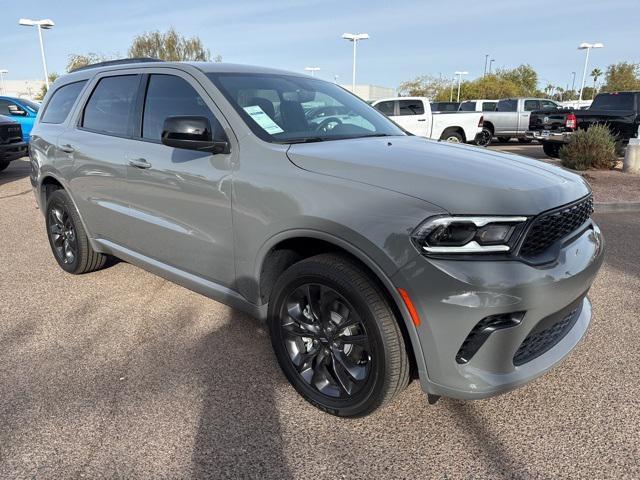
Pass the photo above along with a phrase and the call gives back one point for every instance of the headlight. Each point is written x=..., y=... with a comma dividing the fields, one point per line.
x=446, y=235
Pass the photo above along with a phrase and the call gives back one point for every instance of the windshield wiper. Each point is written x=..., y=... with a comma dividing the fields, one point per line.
x=304, y=140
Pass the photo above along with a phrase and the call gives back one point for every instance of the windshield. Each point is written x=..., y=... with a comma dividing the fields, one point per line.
x=613, y=101
x=291, y=109
x=33, y=106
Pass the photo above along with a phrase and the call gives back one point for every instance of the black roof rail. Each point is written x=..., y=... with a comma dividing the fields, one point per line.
x=122, y=61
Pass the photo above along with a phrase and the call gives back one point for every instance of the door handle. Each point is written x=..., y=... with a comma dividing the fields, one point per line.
x=139, y=163
x=66, y=148
x=422, y=119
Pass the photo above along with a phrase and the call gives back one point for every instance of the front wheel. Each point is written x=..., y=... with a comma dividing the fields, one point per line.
x=336, y=337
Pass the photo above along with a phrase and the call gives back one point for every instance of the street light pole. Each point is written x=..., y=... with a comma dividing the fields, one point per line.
x=573, y=82
x=459, y=74
x=313, y=70
x=354, y=37
x=486, y=59
x=2, y=72
x=491, y=63
x=45, y=24
x=587, y=47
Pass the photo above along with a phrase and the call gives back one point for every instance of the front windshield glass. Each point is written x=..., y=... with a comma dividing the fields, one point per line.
x=292, y=109
x=33, y=106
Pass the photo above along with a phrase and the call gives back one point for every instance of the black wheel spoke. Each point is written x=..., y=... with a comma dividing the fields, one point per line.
x=326, y=340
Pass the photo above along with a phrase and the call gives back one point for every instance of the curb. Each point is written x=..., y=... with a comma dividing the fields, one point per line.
x=617, y=207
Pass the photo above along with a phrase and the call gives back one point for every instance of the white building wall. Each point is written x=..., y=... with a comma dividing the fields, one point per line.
x=371, y=93
x=21, y=88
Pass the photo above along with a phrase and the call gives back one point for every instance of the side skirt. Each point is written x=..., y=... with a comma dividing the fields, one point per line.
x=204, y=287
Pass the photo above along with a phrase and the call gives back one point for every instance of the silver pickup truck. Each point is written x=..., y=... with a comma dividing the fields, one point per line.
x=511, y=117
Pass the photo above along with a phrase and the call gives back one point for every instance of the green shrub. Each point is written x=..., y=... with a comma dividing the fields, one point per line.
x=592, y=148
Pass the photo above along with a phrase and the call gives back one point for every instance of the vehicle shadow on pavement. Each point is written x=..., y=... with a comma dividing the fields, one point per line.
x=17, y=170
x=239, y=434
x=496, y=456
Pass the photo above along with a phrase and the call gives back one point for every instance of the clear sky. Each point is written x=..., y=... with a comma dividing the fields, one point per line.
x=408, y=38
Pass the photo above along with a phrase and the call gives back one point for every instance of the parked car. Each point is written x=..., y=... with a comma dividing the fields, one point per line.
x=22, y=111
x=619, y=111
x=511, y=117
x=372, y=255
x=12, y=146
x=445, y=106
x=478, y=106
x=414, y=115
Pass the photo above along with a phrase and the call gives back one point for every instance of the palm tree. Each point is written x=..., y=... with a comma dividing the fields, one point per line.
x=560, y=91
x=595, y=73
x=549, y=89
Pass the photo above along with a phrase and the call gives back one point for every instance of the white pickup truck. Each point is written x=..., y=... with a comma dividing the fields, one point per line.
x=414, y=115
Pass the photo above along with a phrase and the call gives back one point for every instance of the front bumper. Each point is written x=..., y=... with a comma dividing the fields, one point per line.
x=13, y=151
x=452, y=296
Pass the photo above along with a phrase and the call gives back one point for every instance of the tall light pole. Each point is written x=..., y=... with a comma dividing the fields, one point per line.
x=459, y=75
x=587, y=47
x=313, y=70
x=2, y=72
x=486, y=59
x=491, y=63
x=355, y=38
x=573, y=81
x=45, y=24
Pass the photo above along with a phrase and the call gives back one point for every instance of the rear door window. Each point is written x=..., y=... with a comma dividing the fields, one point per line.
x=468, y=107
x=613, y=101
x=411, y=107
x=61, y=102
x=110, y=107
x=386, y=108
x=489, y=106
x=510, y=105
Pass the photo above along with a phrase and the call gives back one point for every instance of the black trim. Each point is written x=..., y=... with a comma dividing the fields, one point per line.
x=122, y=61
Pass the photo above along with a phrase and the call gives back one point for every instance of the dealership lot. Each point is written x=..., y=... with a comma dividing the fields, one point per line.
x=120, y=374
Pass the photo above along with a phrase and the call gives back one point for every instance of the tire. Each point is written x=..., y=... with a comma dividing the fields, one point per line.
x=4, y=164
x=525, y=140
x=67, y=238
x=483, y=139
x=504, y=139
x=551, y=149
x=452, y=137
x=316, y=307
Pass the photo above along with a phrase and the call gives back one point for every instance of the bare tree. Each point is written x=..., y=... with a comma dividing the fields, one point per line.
x=170, y=46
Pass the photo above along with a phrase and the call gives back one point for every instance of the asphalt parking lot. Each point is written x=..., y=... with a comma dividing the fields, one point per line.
x=121, y=374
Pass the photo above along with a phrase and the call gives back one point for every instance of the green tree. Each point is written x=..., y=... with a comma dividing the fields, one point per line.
x=622, y=76
x=424, y=86
x=596, y=73
x=170, y=46
x=524, y=76
x=43, y=90
x=76, y=60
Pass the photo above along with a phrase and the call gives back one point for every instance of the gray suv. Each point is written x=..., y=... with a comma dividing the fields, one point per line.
x=373, y=255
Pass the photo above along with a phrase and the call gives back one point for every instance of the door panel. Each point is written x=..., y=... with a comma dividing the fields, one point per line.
x=410, y=115
x=180, y=200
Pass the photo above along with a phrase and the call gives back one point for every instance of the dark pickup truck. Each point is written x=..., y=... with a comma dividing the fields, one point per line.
x=12, y=146
x=620, y=111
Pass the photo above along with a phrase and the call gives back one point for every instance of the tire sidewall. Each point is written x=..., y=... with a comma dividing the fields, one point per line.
x=59, y=197
x=371, y=395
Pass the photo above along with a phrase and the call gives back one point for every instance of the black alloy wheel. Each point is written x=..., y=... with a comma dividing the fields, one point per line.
x=62, y=233
x=326, y=341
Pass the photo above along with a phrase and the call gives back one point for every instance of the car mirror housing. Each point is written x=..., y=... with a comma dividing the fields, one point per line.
x=192, y=133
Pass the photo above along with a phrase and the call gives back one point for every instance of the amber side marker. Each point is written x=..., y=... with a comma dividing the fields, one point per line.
x=412, y=310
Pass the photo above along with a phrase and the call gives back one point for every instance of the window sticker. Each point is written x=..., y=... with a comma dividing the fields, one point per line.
x=262, y=119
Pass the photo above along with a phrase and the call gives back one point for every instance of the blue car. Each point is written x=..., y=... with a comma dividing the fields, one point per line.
x=22, y=111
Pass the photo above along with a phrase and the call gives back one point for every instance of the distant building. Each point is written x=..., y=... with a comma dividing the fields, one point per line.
x=22, y=88
x=371, y=93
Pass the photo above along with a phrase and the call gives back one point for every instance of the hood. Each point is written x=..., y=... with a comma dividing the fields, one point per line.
x=4, y=120
x=458, y=178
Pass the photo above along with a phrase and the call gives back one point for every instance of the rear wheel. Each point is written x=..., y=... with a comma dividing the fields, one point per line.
x=483, y=139
x=551, y=149
x=4, y=164
x=452, y=137
x=336, y=337
x=504, y=139
x=69, y=242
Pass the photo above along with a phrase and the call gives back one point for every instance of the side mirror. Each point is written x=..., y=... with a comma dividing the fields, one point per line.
x=17, y=111
x=192, y=133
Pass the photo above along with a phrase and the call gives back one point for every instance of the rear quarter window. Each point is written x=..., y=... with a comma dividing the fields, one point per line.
x=61, y=102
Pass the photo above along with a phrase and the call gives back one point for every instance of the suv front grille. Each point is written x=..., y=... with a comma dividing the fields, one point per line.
x=550, y=227
x=10, y=133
